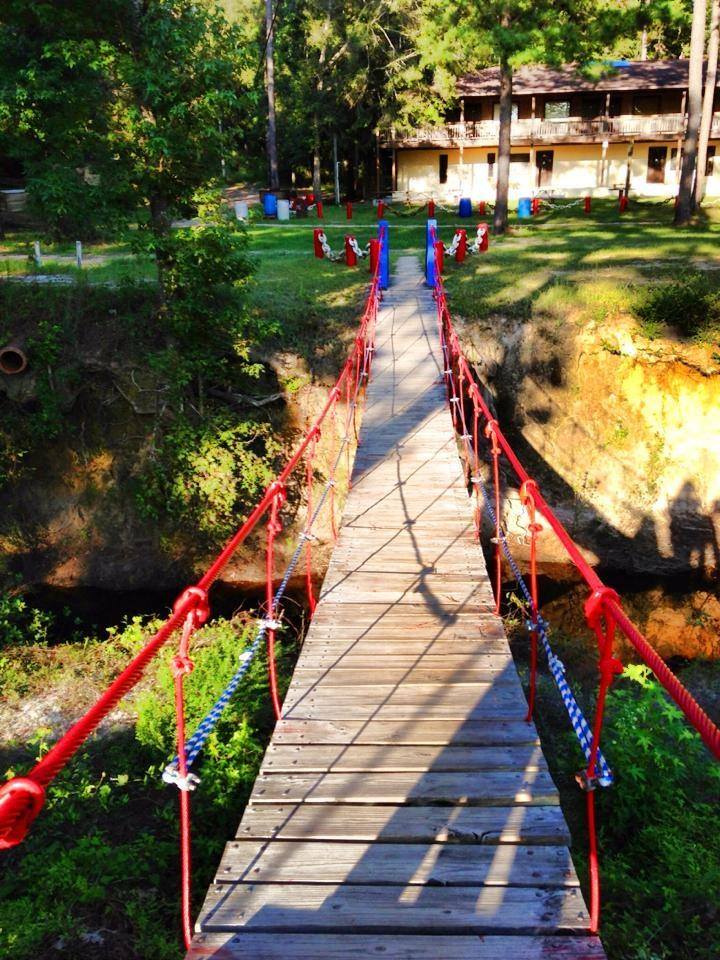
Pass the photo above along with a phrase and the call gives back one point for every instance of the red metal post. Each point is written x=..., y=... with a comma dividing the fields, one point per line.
x=461, y=247
x=348, y=210
x=587, y=207
x=350, y=255
x=431, y=208
x=320, y=210
x=317, y=246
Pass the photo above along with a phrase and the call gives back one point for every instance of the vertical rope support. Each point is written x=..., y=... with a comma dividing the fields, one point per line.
x=348, y=417
x=309, y=477
x=273, y=529
x=609, y=667
x=495, y=451
x=534, y=528
x=333, y=456
x=181, y=666
x=477, y=512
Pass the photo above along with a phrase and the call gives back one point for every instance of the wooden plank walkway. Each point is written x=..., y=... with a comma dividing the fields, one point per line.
x=404, y=808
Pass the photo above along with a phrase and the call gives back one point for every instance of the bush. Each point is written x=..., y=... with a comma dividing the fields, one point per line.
x=689, y=304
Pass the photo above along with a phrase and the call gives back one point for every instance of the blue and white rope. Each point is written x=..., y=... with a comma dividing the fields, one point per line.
x=197, y=741
x=557, y=669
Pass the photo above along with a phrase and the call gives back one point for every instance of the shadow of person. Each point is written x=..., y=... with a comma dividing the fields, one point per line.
x=693, y=533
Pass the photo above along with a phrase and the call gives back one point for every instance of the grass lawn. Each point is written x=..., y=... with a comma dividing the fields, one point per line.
x=101, y=862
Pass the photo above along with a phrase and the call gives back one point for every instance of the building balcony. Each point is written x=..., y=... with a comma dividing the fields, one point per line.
x=479, y=133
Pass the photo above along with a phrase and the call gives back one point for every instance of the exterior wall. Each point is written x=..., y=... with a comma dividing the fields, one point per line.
x=577, y=169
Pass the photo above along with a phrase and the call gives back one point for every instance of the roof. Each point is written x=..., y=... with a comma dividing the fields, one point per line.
x=622, y=75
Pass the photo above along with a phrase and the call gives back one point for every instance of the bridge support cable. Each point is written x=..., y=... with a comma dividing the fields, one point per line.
x=22, y=798
x=603, y=611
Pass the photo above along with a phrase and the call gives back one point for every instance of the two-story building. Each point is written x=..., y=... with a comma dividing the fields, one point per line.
x=570, y=135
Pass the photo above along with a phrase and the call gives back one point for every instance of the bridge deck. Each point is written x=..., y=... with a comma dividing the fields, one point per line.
x=404, y=808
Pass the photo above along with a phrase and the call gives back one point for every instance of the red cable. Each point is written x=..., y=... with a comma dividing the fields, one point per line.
x=309, y=477
x=273, y=528
x=534, y=528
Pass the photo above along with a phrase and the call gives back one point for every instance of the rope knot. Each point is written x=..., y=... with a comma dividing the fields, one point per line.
x=181, y=665
x=21, y=800
x=195, y=602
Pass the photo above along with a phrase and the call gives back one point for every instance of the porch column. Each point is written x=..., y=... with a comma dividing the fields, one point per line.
x=681, y=137
x=604, y=171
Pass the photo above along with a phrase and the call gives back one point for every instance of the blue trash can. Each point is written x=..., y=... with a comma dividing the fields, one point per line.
x=465, y=207
x=524, y=208
x=270, y=205
x=430, y=232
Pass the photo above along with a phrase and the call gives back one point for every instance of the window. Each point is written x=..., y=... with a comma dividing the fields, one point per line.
x=443, y=168
x=491, y=166
x=657, y=156
x=710, y=162
x=646, y=106
x=496, y=112
x=592, y=107
x=557, y=109
x=519, y=158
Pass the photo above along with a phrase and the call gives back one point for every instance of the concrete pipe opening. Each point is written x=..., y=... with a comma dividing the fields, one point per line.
x=12, y=359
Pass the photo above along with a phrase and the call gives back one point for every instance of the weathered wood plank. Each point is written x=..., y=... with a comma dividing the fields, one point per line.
x=490, y=788
x=463, y=732
x=313, y=946
x=318, y=758
x=341, y=675
x=330, y=907
x=407, y=864
x=385, y=823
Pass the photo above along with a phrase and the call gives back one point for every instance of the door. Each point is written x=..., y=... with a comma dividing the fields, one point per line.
x=656, y=164
x=544, y=164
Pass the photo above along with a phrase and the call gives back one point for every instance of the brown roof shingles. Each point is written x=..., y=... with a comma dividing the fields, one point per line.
x=632, y=75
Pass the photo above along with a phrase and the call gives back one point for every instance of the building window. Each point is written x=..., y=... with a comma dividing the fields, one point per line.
x=443, y=168
x=557, y=109
x=646, y=106
x=496, y=112
x=592, y=107
x=491, y=166
x=657, y=157
x=710, y=162
x=519, y=158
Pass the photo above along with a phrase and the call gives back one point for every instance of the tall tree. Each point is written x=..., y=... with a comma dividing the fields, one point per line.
x=685, y=205
x=708, y=101
x=270, y=90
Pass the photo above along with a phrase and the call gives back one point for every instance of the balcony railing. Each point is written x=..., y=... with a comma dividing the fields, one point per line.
x=478, y=132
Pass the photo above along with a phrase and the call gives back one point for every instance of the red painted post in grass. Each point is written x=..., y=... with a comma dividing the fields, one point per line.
x=374, y=255
x=461, y=249
x=320, y=211
x=482, y=207
x=316, y=243
x=350, y=255
x=623, y=202
x=380, y=209
x=431, y=208
x=484, y=237
x=535, y=206
x=348, y=210
x=587, y=207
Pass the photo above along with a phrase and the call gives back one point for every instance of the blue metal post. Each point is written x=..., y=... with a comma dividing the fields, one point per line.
x=430, y=229
x=384, y=254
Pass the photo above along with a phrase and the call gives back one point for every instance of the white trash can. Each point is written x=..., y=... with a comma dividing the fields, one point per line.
x=241, y=209
x=283, y=209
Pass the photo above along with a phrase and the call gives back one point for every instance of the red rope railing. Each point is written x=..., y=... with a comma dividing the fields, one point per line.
x=603, y=611
x=22, y=798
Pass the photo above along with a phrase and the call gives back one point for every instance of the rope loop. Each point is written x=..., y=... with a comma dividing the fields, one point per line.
x=595, y=606
x=196, y=601
x=21, y=800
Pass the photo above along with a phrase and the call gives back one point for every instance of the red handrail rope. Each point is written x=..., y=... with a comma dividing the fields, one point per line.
x=22, y=798
x=609, y=603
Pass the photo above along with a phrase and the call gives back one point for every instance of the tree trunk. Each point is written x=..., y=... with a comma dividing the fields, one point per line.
x=708, y=101
x=270, y=86
x=500, y=218
x=684, y=208
x=317, y=178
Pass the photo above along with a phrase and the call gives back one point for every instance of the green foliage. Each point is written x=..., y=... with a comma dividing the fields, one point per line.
x=659, y=838
x=102, y=858
x=206, y=474
x=689, y=304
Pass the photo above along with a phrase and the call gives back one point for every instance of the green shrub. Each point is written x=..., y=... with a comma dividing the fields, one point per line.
x=689, y=304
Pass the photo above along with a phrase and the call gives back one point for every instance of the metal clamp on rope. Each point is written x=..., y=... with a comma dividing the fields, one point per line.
x=454, y=399
x=475, y=479
x=245, y=657
x=307, y=537
x=171, y=775
x=556, y=663
x=466, y=436
x=267, y=623
x=590, y=783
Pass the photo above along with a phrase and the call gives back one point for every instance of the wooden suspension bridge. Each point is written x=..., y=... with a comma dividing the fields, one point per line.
x=404, y=808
